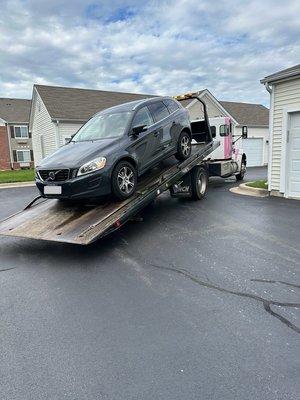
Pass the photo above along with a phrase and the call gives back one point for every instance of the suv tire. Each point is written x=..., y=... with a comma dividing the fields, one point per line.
x=184, y=146
x=124, y=180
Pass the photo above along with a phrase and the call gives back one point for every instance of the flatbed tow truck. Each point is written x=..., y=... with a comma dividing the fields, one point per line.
x=82, y=224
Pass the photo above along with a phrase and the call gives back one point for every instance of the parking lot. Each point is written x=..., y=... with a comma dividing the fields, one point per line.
x=196, y=301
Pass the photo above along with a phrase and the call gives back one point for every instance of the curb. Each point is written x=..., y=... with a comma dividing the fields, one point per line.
x=249, y=191
x=16, y=185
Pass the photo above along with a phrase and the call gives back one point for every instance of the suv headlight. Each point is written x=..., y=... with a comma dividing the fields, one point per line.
x=91, y=166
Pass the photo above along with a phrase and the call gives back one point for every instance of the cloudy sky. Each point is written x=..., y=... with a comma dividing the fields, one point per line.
x=156, y=46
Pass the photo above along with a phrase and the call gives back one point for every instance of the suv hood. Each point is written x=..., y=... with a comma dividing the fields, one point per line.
x=75, y=154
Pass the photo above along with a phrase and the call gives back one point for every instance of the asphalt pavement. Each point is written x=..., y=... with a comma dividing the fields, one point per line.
x=199, y=300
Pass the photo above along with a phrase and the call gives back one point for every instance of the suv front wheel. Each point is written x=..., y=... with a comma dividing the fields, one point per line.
x=184, y=146
x=124, y=180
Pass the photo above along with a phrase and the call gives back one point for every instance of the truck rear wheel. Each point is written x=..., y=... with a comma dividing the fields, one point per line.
x=199, y=181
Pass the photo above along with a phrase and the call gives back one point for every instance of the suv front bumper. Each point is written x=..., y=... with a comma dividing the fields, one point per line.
x=96, y=184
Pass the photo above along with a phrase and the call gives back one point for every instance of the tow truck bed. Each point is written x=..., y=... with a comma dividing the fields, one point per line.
x=84, y=223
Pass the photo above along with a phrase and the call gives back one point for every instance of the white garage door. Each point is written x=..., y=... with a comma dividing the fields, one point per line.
x=293, y=156
x=254, y=151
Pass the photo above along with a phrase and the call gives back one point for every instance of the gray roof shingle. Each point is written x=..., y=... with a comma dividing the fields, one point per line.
x=65, y=103
x=15, y=110
x=247, y=113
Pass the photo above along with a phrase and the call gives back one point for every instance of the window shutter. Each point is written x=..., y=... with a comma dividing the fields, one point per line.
x=12, y=132
x=31, y=155
x=29, y=135
x=15, y=156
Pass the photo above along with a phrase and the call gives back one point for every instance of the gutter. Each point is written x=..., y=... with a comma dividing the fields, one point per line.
x=74, y=121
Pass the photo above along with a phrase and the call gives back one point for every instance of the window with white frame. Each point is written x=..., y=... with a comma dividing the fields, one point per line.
x=21, y=132
x=23, y=156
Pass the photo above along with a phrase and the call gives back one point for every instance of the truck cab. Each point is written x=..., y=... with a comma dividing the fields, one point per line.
x=228, y=159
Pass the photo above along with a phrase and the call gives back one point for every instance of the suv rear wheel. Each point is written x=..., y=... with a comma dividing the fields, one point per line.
x=124, y=180
x=184, y=146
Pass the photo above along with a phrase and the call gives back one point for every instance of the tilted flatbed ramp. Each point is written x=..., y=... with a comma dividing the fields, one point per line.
x=84, y=223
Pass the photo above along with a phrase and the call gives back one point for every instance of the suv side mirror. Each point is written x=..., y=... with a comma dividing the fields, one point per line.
x=136, y=130
x=244, y=132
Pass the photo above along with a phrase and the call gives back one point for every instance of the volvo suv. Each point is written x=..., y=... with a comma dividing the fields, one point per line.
x=114, y=148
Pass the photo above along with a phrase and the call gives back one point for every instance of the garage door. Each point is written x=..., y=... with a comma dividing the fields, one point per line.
x=293, y=170
x=254, y=151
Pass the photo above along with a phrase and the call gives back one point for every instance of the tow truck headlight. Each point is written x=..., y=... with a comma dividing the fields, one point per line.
x=91, y=166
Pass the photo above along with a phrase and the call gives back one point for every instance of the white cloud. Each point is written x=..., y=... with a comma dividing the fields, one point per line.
x=164, y=47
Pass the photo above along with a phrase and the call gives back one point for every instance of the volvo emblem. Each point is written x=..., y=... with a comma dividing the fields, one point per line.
x=51, y=176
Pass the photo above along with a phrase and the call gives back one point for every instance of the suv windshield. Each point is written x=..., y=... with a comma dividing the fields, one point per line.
x=103, y=126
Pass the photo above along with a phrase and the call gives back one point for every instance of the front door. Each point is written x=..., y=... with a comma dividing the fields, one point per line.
x=293, y=156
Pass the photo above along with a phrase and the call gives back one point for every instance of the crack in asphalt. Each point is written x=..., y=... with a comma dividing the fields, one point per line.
x=271, y=281
x=266, y=303
x=7, y=269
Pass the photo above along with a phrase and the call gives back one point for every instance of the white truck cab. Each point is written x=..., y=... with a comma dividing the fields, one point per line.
x=228, y=159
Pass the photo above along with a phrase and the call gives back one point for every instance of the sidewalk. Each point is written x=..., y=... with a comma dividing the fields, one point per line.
x=249, y=191
x=16, y=185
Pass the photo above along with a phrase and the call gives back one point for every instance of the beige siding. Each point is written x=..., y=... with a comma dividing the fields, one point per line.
x=66, y=130
x=285, y=94
x=213, y=111
x=18, y=143
x=257, y=132
x=43, y=130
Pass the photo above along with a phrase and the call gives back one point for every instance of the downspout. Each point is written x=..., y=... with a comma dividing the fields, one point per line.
x=57, y=134
x=269, y=89
x=9, y=147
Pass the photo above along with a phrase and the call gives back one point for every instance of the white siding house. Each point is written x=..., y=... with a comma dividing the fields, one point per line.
x=284, y=159
x=42, y=128
x=254, y=116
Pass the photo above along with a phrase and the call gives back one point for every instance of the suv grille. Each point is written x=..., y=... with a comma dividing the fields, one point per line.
x=54, y=175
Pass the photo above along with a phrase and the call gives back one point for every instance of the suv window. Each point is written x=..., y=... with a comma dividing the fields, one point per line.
x=142, y=117
x=158, y=110
x=171, y=104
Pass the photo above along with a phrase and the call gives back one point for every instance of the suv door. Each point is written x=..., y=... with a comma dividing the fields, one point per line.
x=143, y=146
x=163, y=123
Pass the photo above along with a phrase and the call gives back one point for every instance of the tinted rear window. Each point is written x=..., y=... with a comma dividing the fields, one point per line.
x=158, y=110
x=172, y=105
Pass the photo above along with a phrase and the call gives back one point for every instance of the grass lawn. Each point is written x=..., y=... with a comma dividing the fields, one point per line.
x=22, y=175
x=263, y=184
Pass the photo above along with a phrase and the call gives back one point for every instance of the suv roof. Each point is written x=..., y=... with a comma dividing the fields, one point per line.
x=133, y=105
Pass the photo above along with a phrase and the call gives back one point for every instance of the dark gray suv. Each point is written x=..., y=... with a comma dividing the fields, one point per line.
x=114, y=148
